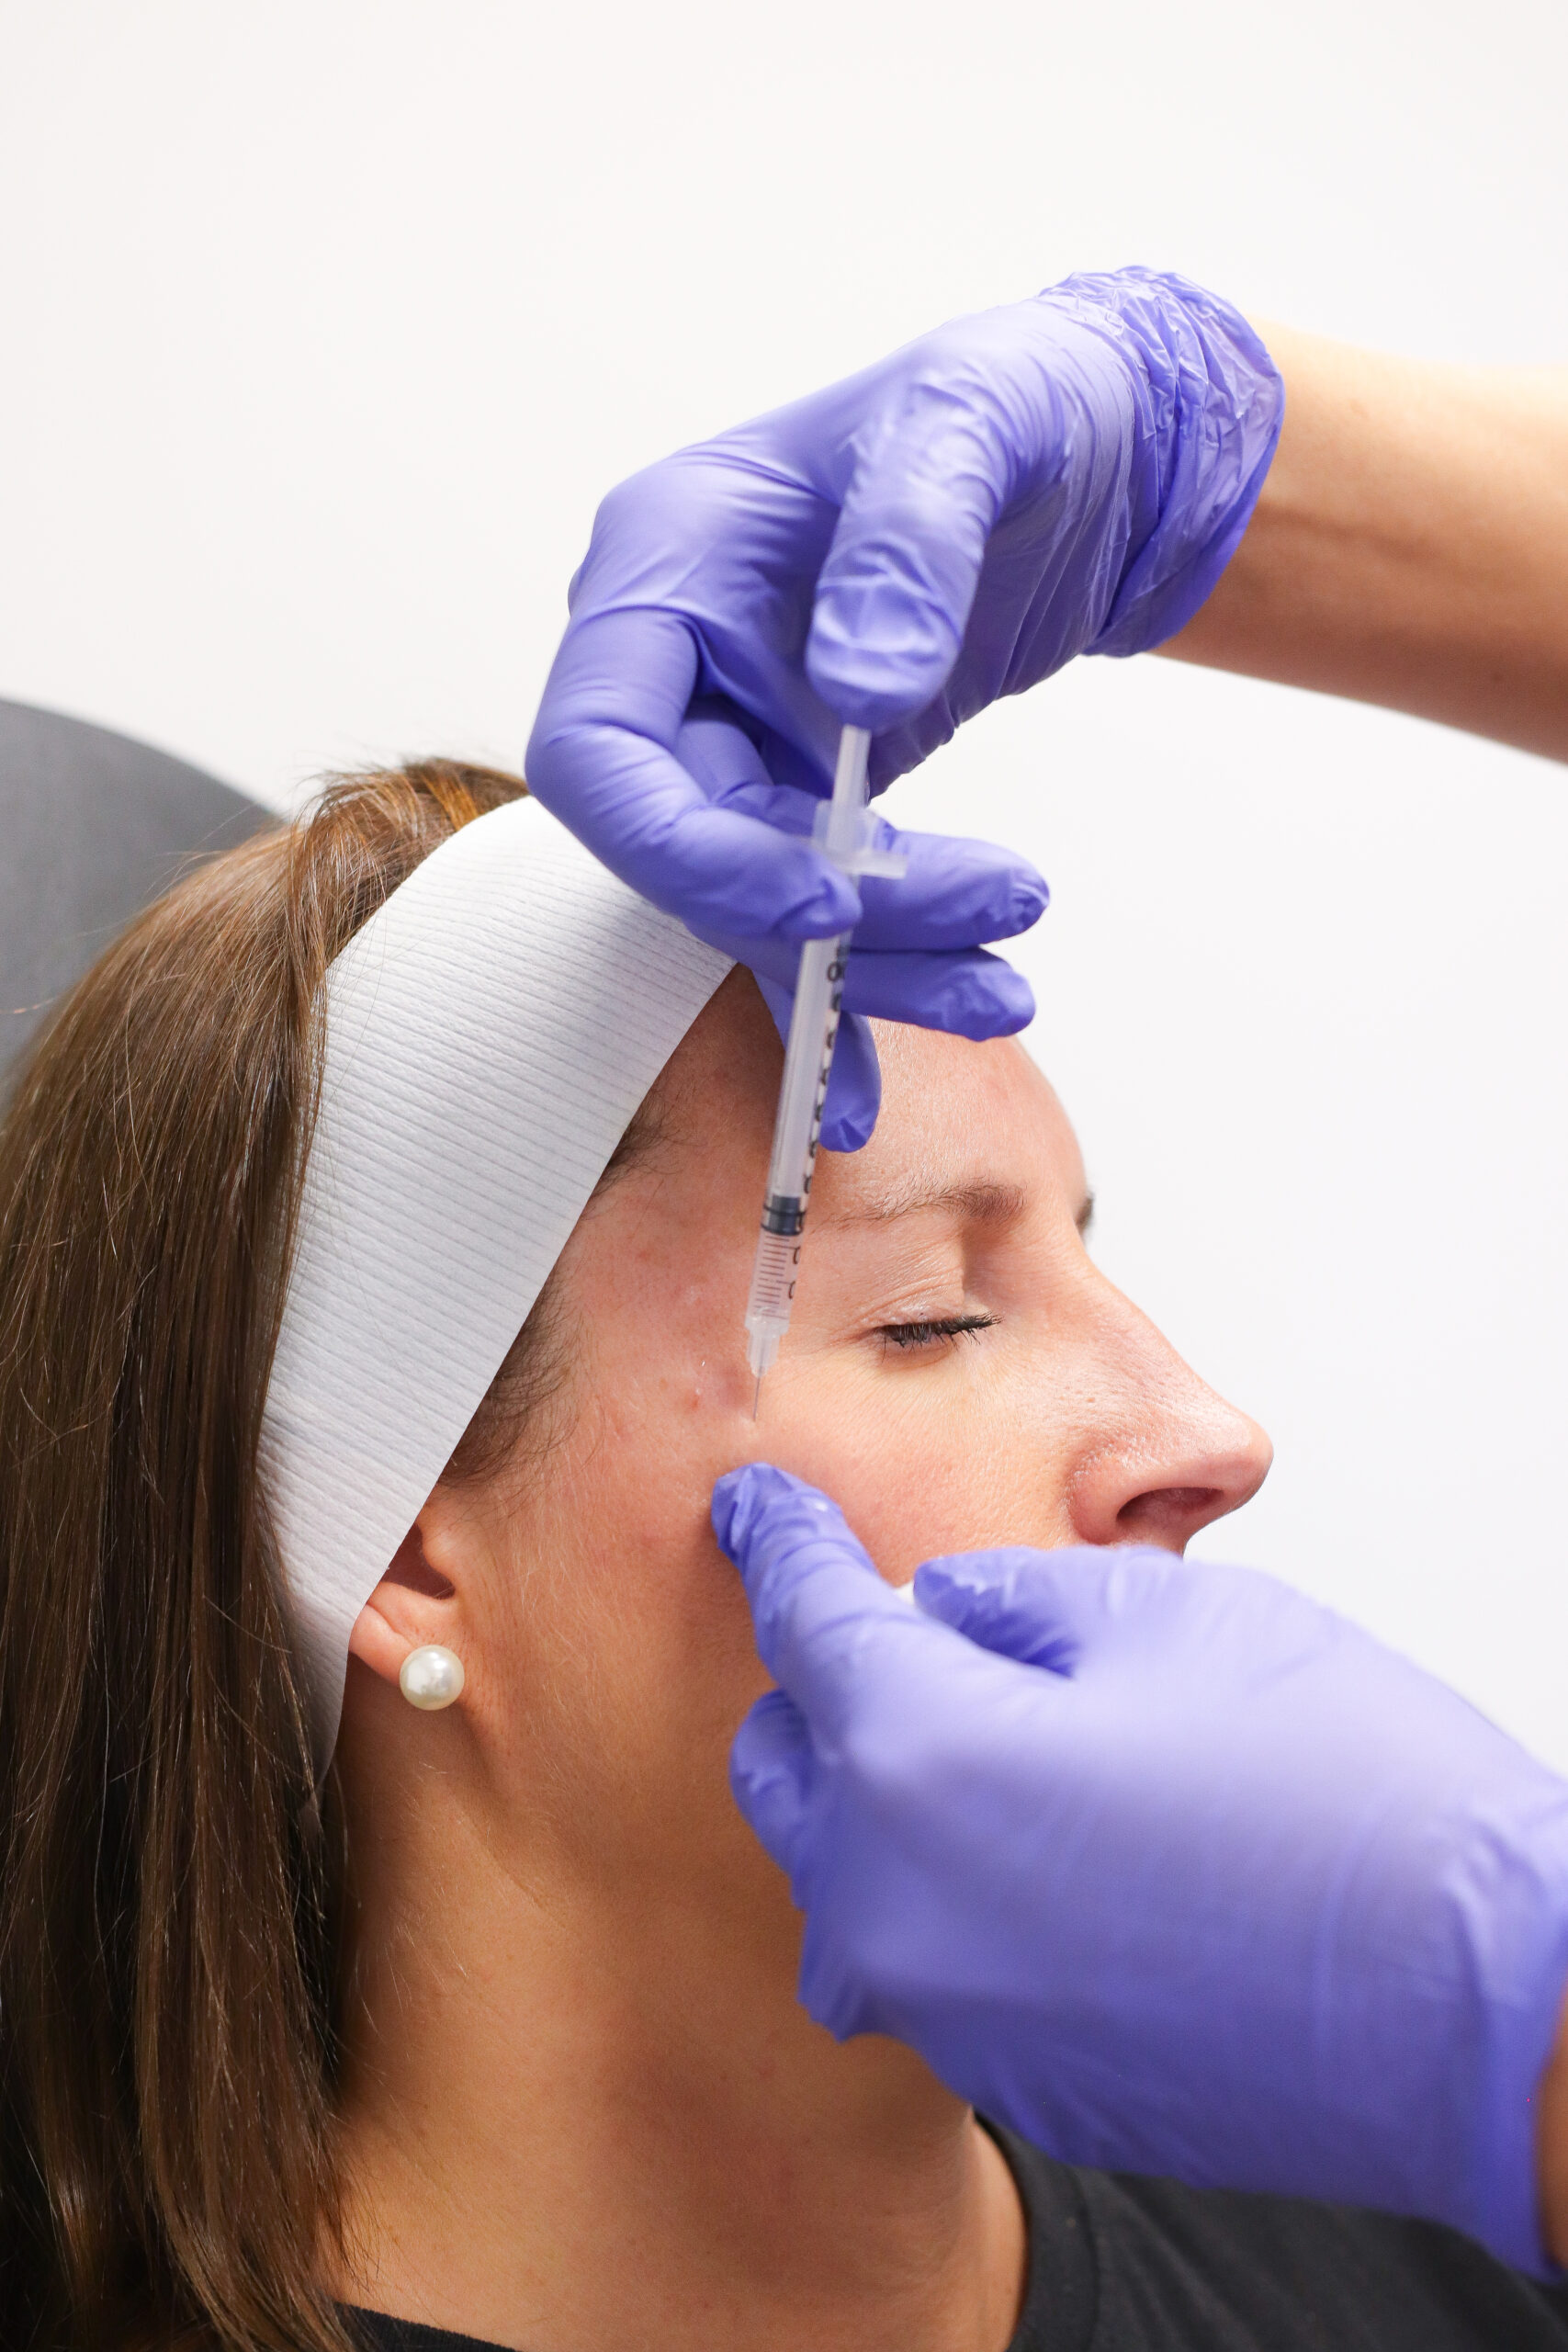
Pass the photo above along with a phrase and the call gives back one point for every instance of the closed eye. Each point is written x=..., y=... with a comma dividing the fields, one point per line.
x=935, y=1334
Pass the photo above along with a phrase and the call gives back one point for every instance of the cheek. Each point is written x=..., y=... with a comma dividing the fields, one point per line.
x=969, y=1453
x=957, y=1501
x=985, y=1445
x=633, y=1648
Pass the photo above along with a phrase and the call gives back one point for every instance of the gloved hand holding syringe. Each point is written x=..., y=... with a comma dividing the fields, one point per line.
x=844, y=834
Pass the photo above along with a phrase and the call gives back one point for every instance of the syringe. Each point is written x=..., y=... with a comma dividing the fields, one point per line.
x=842, y=834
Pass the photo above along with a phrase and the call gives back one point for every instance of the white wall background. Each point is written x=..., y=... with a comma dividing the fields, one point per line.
x=323, y=326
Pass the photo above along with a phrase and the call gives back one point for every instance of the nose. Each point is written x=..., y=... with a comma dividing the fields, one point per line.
x=1165, y=1454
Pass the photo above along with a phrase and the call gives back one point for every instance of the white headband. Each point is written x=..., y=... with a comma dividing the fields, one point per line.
x=490, y=1035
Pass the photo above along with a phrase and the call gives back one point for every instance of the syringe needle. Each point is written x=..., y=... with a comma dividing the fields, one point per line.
x=756, y=1400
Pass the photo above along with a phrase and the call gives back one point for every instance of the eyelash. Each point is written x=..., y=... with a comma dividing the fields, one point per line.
x=923, y=1335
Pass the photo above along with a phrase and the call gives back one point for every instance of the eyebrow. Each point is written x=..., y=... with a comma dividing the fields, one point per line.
x=974, y=1204
x=977, y=1203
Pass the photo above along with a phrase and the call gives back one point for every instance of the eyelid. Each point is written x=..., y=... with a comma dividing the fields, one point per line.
x=933, y=1331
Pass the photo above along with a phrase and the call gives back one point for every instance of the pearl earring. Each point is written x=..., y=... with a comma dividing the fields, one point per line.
x=431, y=1677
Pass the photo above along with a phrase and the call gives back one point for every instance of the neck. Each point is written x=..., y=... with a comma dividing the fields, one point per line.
x=572, y=2116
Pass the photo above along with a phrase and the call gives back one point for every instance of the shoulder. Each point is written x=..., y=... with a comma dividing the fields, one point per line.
x=1169, y=2267
x=378, y=2331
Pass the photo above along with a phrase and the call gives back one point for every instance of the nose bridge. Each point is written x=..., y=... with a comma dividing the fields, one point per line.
x=1162, y=1453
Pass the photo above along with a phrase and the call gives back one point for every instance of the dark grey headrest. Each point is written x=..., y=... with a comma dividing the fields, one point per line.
x=92, y=827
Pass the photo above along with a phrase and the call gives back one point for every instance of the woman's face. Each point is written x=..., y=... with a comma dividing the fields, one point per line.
x=957, y=1374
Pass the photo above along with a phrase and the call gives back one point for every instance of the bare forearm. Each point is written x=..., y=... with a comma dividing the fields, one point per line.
x=1551, y=2146
x=1411, y=543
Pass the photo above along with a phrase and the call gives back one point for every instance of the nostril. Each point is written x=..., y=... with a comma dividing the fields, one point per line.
x=1168, y=1515
x=1170, y=1464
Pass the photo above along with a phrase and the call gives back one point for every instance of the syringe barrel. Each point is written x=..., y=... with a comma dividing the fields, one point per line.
x=808, y=1058
x=772, y=1276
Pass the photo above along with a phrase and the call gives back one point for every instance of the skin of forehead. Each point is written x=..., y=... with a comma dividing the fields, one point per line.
x=954, y=1115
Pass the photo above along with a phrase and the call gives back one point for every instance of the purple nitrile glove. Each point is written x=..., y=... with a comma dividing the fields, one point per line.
x=1065, y=475
x=912, y=962
x=1162, y=1864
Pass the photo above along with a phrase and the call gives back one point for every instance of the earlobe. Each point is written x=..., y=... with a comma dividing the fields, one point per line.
x=376, y=1641
x=431, y=1678
x=403, y=1617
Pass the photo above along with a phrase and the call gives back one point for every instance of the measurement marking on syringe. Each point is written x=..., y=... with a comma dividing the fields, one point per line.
x=808, y=1062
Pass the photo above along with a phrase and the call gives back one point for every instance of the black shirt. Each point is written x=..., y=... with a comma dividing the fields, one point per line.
x=1121, y=2265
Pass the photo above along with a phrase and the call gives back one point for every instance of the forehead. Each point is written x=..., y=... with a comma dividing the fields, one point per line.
x=955, y=1114
x=957, y=1119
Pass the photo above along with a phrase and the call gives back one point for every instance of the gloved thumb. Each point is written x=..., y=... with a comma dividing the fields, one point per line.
x=1043, y=1609
x=772, y=1768
x=818, y=1604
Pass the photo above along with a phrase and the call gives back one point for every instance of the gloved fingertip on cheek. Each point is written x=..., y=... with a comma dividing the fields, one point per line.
x=731, y=1508
x=741, y=1497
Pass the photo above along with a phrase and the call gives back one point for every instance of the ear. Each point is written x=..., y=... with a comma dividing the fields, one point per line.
x=414, y=1604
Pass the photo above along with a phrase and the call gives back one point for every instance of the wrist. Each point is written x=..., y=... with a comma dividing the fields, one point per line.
x=1509, y=2040
x=1552, y=2145
x=1207, y=404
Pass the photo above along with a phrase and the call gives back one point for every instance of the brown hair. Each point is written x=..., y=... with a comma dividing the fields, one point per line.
x=167, y=1889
